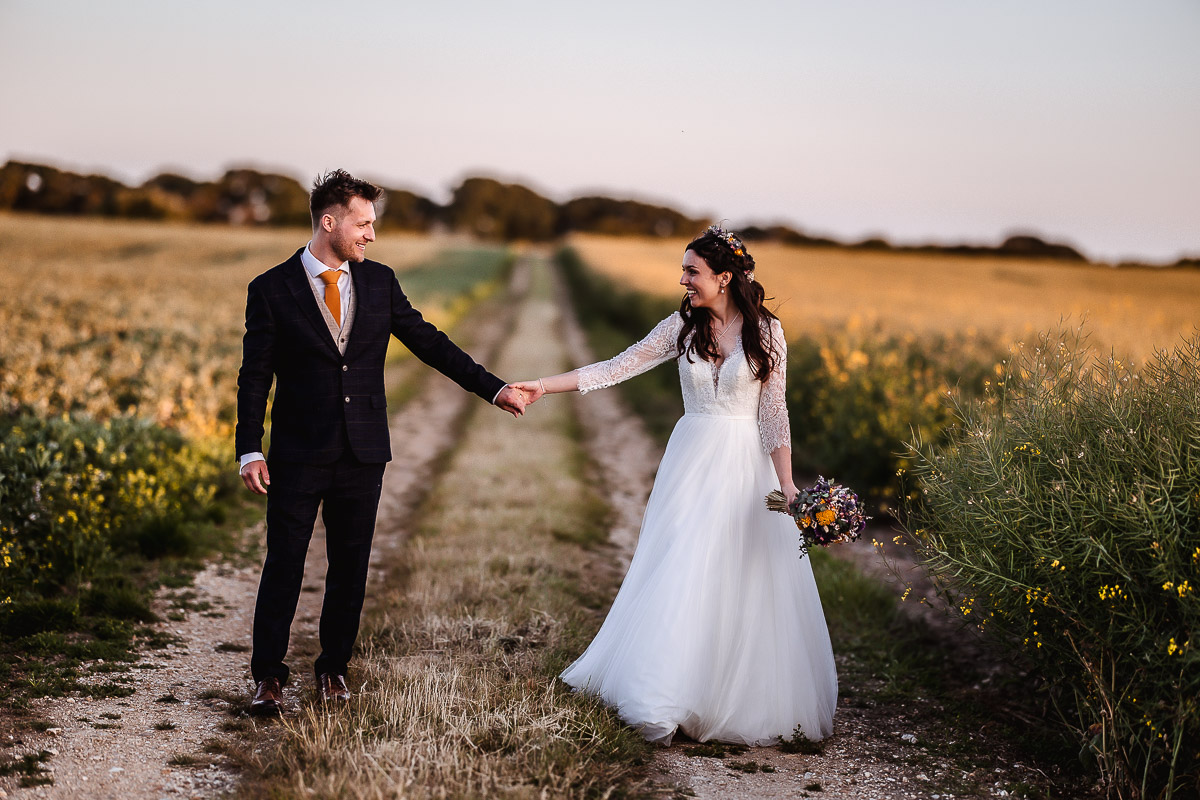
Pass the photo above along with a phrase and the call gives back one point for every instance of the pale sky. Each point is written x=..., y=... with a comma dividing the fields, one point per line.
x=947, y=120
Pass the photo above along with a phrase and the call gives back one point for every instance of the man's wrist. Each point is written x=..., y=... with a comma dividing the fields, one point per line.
x=249, y=458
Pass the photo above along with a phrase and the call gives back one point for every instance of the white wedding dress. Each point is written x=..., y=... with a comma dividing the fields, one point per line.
x=717, y=630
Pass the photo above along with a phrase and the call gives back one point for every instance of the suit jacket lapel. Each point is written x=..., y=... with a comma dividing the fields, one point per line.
x=296, y=278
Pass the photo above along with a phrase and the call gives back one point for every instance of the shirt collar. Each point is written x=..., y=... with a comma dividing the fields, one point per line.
x=315, y=266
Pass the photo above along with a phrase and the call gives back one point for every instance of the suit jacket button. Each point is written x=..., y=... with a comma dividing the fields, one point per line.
x=344, y=368
x=347, y=399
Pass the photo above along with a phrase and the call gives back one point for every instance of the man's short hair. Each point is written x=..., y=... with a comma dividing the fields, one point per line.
x=336, y=188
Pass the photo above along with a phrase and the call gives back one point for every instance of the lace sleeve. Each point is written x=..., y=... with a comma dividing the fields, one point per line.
x=773, y=425
x=658, y=346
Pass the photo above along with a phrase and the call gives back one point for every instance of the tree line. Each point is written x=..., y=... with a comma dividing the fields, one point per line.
x=480, y=206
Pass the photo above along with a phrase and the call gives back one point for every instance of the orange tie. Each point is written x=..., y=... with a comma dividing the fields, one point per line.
x=333, y=298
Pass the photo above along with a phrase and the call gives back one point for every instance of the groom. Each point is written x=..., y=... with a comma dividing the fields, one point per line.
x=319, y=325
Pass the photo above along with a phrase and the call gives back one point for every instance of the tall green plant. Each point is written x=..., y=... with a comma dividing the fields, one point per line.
x=76, y=494
x=1064, y=513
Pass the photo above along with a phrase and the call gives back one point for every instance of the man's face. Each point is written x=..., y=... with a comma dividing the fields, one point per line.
x=353, y=227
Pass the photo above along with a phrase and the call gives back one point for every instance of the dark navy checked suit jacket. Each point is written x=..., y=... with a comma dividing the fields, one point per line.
x=325, y=401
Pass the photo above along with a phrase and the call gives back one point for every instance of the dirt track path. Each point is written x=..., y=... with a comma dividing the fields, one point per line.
x=111, y=748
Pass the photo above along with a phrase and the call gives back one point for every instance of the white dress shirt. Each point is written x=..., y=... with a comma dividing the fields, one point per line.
x=314, y=266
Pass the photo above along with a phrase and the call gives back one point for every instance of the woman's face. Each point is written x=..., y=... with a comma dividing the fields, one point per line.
x=702, y=284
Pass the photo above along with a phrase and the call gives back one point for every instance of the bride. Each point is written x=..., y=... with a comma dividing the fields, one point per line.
x=717, y=630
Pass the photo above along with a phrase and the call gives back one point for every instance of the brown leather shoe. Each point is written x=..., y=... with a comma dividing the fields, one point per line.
x=268, y=697
x=332, y=688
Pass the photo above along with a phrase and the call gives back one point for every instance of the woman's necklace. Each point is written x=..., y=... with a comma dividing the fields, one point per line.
x=728, y=326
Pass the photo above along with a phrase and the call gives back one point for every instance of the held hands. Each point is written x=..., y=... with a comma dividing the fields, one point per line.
x=533, y=390
x=511, y=400
x=514, y=397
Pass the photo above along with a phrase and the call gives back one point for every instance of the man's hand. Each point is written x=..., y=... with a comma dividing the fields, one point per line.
x=512, y=400
x=256, y=477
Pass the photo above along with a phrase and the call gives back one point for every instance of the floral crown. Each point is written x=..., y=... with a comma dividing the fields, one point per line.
x=735, y=244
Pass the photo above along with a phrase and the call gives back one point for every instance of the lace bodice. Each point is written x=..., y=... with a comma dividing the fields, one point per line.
x=728, y=390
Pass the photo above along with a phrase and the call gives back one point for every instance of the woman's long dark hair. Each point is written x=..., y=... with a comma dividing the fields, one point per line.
x=725, y=252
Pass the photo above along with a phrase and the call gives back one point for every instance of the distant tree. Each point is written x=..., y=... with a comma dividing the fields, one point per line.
x=34, y=187
x=246, y=196
x=624, y=218
x=1034, y=247
x=14, y=179
x=786, y=235
x=408, y=211
x=181, y=198
x=493, y=210
x=873, y=243
x=171, y=183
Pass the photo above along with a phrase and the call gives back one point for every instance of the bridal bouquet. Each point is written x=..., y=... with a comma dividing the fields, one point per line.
x=826, y=513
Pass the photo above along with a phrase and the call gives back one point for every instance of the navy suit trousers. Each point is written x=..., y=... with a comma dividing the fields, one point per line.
x=347, y=492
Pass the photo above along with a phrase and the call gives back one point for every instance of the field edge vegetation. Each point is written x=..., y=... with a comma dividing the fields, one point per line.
x=1062, y=517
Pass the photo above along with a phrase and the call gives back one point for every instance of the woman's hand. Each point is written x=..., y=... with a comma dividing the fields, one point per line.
x=789, y=491
x=533, y=390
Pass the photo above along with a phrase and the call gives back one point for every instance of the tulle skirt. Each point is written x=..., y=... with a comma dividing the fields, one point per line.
x=717, y=630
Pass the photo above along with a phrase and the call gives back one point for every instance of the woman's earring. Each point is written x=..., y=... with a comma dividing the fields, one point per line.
x=722, y=290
